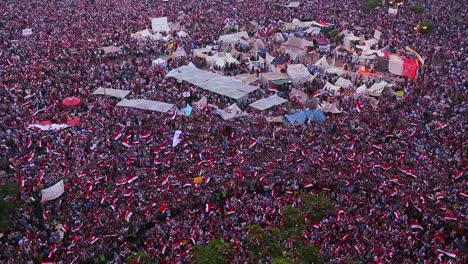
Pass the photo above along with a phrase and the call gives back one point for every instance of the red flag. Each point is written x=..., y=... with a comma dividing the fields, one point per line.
x=163, y=208
x=359, y=107
x=416, y=225
x=127, y=216
x=93, y=240
x=458, y=175
x=165, y=180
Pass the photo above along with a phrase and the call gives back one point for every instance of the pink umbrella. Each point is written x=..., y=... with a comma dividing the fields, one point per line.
x=71, y=101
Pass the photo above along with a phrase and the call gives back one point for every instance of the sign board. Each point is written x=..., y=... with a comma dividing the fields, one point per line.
x=27, y=32
x=52, y=192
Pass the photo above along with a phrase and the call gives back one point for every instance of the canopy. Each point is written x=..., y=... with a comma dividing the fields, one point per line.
x=146, y=105
x=342, y=82
x=160, y=24
x=273, y=76
x=118, y=93
x=299, y=73
x=234, y=37
x=247, y=78
x=212, y=82
x=330, y=108
x=296, y=47
x=301, y=117
x=71, y=101
x=322, y=63
x=293, y=4
x=269, y=102
x=331, y=88
x=232, y=111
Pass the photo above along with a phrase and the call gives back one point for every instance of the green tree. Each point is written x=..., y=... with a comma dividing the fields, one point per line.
x=370, y=4
x=417, y=9
x=141, y=257
x=316, y=207
x=282, y=260
x=216, y=252
x=8, y=203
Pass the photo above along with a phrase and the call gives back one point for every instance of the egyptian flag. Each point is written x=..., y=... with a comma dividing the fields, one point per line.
x=416, y=225
x=317, y=93
x=174, y=114
x=127, y=215
x=28, y=143
x=30, y=156
x=308, y=185
x=409, y=173
x=163, y=208
x=165, y=180
x=252, y=143
x=448, y=254
x=22, y=182
x=359, y=107
x=458, y=175
x=146, y=135
x=93, y=240
x=208, y=207
x=450, y=218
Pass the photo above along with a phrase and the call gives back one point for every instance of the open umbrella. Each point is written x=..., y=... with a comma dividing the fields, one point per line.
x=71, y=101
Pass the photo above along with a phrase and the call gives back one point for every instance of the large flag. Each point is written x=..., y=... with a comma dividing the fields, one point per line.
x=52, y=192
x=176, y=140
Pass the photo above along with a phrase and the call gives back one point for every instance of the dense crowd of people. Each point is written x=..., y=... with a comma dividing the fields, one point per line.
x=394, y=172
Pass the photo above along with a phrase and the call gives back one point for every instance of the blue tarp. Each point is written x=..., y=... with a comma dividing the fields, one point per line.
x=301, y=117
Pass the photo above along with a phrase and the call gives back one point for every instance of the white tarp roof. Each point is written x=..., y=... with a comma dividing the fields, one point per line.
x=299, y=73
x=322, y=63
x=146, y=105
x=293, y=4
x=331, y=88
x=269, y=102
x=342, y=82
x=329, y=108
x=234, y=37
x=301, y=24
x=118, y=93
x=111, y=49
x=273, y=76
x=160, y=24
x=335, y=70
x=377, y=88
x=212, y=82
x=247, y=78
x=232, y=111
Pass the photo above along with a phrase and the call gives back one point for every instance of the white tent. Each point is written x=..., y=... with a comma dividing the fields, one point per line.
x=335, y=70
x=269, y=102
x=234, y=37
x=160, y=61
x=331, y=88
x=342, y=82
x=160, y=24
x=361, y=89
x=279, y=37
x=322, y=63
x=247, y=78
x=301, y=24
x=299, y=73
x=313, y=30
x=377, y=88
x=146, y=105
x=296, y=47
x=118, y=93
x=293, y=5
x=212, y=82
x=349, y=41
x=230, y=112
x=111, y=49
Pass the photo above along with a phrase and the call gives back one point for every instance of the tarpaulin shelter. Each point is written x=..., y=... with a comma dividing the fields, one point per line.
x=272, y=76
x=300, y=118
x=118, y=93
x=322, y=63
x=342, y=82
x=230, y=112
x=268, y=102
x=212, y=82
x=146, y=105
x=296, y=47
x=330, y=108
x=111, y=49
x=234, y=37
x=299, y=73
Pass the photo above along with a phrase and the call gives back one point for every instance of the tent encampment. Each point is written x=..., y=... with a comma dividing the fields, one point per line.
x=268, y=102
x=234, y=37
x=146, y=105
x=117, y=93
x=299, y=73
x=296, y=47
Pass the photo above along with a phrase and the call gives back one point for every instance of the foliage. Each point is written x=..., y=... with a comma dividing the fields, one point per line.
x=216, y=252
x=334, y=35
x=8, y=203
x=370, y=4
x=316, y=207
x=281, y=260
x=140, y=257
x=417, y=9
x=309, y=254
x=425, y=27
x=293, y=219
